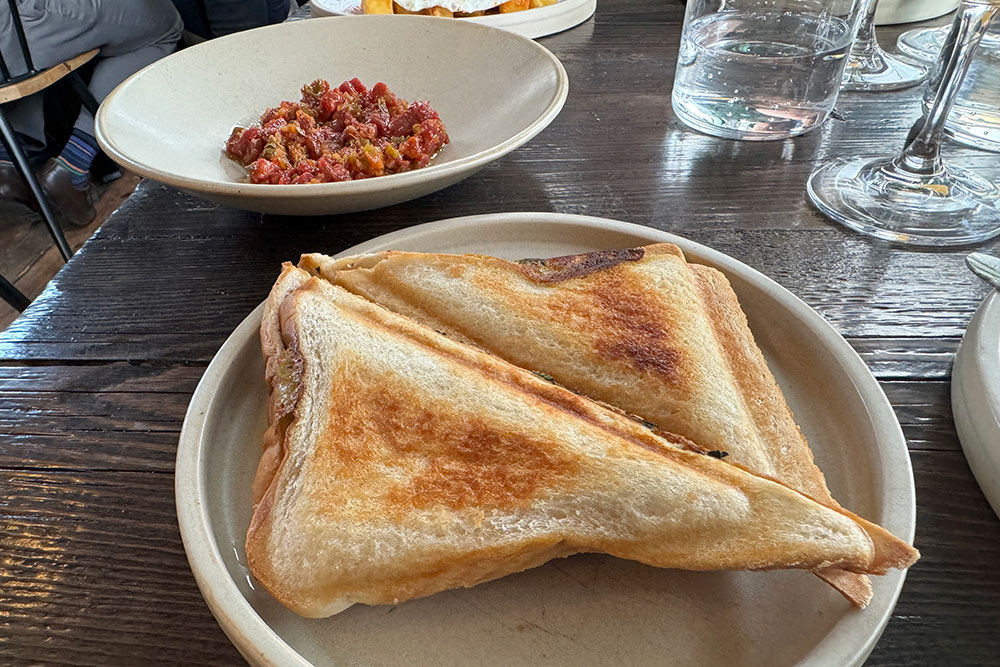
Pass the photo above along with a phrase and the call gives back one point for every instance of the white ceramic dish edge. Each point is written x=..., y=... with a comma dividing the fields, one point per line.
x=895, y=12
x=542, y=22
x=259, y=643
x=975, y=397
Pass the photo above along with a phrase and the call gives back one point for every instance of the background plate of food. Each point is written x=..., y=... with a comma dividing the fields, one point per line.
x=531, y=18
x=180, y=121
x=588, y=609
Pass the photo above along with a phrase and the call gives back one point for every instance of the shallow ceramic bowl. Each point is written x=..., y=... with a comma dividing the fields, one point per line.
x=170, y=121
x=587, y=609
x=975, y=397
x=892, y=12
x=537, y=22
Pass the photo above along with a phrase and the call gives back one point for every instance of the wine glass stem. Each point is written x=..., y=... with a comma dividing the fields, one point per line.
x=923, y=155
x=865, y=42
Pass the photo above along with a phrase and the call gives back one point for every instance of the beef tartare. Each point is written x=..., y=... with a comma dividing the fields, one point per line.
x=338, y=134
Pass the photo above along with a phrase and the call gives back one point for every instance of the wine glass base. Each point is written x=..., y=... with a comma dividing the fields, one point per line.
x=964, y=135
x=877, y=70
x=956, y=207
x=924, y=44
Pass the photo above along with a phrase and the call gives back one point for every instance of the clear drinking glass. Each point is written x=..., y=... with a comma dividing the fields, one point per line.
x=762, y=69
x=869, y=68
x=916, y=198
x=975, y=118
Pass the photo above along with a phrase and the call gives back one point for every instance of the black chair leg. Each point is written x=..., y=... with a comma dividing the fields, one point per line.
x=21, y=162
x=80, y=88
x=12, y=295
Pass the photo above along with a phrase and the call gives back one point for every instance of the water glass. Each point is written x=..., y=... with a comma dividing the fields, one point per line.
x=975, y=118
x=762, y=69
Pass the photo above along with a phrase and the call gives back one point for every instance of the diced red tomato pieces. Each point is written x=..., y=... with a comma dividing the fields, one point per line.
x=338, y=134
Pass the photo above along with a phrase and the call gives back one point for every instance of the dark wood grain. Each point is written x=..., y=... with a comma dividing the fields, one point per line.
x=96, y=375
x=949, y=609
x=102, y=378
x=924, y=412
x=116, y=588
x=907, y=358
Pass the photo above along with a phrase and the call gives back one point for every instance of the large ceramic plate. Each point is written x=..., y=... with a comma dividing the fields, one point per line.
x=975, y=397
x=587, y=609
x=531, y=23
x=170, y=121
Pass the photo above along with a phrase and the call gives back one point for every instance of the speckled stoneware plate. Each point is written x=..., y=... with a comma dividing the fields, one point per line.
x=532, y=23
x=586, y=609
x=891, y=12
x=975, y=397
x=170, y=121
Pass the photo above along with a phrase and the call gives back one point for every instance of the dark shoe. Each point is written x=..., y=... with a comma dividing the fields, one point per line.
x=13, y=187
x=71, y=204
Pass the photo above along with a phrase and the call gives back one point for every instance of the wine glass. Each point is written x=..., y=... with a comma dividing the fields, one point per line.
x=870, y=68
x=916, y=198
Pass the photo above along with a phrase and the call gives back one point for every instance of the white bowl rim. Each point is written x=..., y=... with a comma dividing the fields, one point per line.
x=547, y=20
x=975, y=396
x=250, y=633
x=988, y=351
x=353, y=187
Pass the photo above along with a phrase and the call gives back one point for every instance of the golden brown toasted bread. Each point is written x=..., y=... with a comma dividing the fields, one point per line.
x=638, y=328
x=401, y=462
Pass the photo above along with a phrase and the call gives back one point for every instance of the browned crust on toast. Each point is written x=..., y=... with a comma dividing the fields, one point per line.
x=769, y=410
x=559, y=269
x=762, y=398
x=761, y=395
x=888, y=552
x=281, y=373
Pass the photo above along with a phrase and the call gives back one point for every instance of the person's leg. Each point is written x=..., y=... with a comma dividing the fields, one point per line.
x=135, y=33
x=130, y=33
x=126, y=31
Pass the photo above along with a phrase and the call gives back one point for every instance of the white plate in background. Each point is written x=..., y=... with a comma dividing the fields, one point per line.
x=531, y=23
x=891, y=12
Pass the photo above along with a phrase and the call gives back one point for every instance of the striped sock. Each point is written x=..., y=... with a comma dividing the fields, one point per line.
x=77, y=156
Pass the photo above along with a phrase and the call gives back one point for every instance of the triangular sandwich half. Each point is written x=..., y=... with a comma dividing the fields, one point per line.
x=401, y=463
x=638, y=328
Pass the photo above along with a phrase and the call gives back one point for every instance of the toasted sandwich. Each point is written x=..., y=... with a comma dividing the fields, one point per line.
x=637, y=328
x=400, y=462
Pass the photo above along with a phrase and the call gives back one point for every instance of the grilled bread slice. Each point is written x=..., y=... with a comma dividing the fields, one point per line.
x=401, y=462
x=638, y=328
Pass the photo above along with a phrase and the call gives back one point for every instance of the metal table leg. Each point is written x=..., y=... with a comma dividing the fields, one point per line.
x=21, y=162
x=12, y=295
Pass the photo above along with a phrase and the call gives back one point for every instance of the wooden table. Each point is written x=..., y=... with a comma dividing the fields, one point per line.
x=95, y=377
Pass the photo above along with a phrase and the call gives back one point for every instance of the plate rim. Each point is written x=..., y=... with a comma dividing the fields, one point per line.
x=258, y=642
x=548, y=20
x=354, y=187
x=975, y=389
